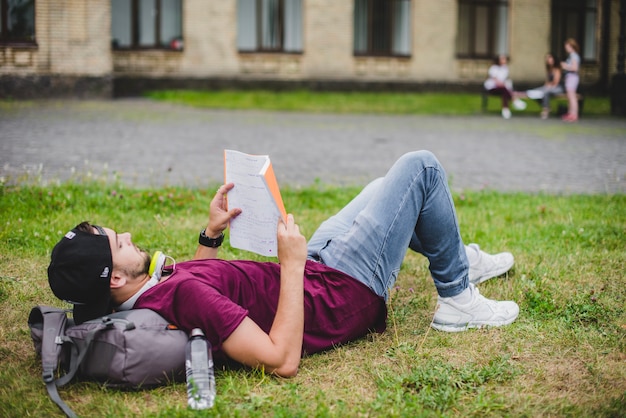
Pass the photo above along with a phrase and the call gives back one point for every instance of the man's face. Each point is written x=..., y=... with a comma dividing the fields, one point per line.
x=126, y=256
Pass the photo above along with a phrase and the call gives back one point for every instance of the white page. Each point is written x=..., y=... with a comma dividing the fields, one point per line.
x=255, y=228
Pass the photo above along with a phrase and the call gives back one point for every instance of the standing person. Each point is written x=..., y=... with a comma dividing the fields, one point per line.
x=499, y=83
x=551, y=87
x=321, y=294
x=571, y=66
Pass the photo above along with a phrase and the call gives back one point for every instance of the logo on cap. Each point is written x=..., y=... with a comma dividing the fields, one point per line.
x=105, y=273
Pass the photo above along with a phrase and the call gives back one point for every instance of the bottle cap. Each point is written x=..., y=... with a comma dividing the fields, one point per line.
x=196, y=332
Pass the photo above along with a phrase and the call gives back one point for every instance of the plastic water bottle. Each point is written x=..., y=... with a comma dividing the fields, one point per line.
x=199, y=369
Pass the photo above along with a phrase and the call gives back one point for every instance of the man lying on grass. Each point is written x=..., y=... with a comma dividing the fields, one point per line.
x=327, y=292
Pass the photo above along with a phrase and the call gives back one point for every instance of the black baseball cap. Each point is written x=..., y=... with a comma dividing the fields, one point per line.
x=80, y=273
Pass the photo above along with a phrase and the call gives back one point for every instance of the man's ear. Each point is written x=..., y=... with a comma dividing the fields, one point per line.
x=117, y=280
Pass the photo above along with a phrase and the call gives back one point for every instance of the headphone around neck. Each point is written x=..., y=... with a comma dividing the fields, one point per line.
x=156, y=265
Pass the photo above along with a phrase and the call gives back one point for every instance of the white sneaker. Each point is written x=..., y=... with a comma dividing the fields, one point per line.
x=506, y=113
x=480, y=312
x=485, y=266
x=519, y=104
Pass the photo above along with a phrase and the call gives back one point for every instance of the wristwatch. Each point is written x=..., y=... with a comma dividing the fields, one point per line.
x=210, y=242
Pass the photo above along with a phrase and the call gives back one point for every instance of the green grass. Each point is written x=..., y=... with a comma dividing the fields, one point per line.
x=564, y=356
x=357, y=102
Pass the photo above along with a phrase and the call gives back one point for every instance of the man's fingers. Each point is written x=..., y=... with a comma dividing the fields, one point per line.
x=224, y=188
x=234, y=212
x=289, y=227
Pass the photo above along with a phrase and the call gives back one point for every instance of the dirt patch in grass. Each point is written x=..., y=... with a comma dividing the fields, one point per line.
x=575, y=380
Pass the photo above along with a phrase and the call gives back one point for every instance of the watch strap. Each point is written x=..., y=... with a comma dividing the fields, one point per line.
x=210, y=242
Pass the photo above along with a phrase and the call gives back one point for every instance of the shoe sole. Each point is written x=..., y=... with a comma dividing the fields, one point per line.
x=470, y=325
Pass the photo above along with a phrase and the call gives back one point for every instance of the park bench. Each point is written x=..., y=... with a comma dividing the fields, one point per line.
x=560, y=99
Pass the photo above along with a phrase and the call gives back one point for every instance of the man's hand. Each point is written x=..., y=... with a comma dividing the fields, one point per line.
x=219, y=217
x=291, y=243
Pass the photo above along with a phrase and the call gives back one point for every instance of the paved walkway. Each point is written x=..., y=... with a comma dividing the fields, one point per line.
x=145, y=143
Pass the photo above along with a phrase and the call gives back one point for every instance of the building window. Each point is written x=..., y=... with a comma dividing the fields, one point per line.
x=269, y=25
x=575, y=19
x=143, y=24
x=17, y=21
x=483, y=28
x=382, y=27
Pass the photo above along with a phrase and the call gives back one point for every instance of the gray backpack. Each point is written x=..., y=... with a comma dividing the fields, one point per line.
x=129, y=349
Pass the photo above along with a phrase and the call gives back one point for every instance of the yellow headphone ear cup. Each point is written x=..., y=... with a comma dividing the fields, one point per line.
x=156, y=263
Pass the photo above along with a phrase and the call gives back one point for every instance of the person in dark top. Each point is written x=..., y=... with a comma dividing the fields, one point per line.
x=551, y=87
x=328, y=291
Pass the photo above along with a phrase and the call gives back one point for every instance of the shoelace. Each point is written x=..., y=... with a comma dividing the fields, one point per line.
x=478, y=298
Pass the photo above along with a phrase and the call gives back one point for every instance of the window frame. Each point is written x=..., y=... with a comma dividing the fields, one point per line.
x=560, y=10
x=370, y=49
x=135, y=22
x=4, y=37
x=244, y=46
x=492, y=30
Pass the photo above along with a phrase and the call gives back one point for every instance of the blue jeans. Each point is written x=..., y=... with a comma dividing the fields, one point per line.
x=411, y=207
x=548, y=92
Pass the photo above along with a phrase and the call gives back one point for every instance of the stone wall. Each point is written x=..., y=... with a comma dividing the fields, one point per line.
x=71, y=55
x=73, y=51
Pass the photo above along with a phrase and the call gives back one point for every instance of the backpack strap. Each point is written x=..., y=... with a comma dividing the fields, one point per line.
x=78, y=354
x=53, y=323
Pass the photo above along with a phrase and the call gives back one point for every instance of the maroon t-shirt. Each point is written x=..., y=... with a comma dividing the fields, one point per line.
x=216, y=295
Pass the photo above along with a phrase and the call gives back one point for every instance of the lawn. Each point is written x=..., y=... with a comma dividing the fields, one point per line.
x=564, y=356
x=360, y=102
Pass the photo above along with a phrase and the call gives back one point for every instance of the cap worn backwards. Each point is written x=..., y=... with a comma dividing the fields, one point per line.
x=80, y=273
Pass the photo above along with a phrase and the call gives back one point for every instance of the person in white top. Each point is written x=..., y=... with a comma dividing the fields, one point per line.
x=499, y=83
